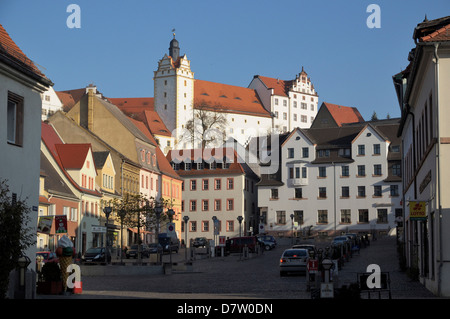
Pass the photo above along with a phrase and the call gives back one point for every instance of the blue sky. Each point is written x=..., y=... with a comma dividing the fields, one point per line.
x=120, y=43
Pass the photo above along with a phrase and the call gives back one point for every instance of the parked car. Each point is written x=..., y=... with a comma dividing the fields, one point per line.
x=155, y=248
x=293, y=260
x=267, y=244
x=132, y=252
x=96, y=255
x=236, y=244
x=342, y=239
x=48, y=257
x=199, y=242
x=309, y=247
x=168, y=243
x=267, y=238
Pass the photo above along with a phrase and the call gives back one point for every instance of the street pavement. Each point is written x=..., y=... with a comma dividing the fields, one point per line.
x=234, y=277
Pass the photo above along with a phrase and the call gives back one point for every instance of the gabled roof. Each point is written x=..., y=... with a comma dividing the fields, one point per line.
x=229, y=98
x=343, y=114
x=100, y=158
x=73, y=156
x=13, y=55
x=163, y=164
x=53, y=183
x=51, y=139
x=142, y=109
x=280, y=87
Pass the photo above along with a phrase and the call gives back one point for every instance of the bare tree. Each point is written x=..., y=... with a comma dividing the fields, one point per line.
x=208, y=125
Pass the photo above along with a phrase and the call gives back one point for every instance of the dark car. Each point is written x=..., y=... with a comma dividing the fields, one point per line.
x=169, y=243
x=199, y=242
x=155, y=248
x=267, y=244
x=132, y=252
x=96, y=255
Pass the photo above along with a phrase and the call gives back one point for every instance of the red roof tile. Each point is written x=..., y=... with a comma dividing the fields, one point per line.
x=51, y=140
x=10, y=49
x=440, y=35
x=343, y=114
x=142, y=109
x=73, y=156
x=228, y=98
x=163, y=164
x=279, y=86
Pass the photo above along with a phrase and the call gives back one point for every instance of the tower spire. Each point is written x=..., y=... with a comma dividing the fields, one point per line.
x=174, y=49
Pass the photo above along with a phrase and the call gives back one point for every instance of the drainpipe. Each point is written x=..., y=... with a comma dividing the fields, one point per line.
x=438, y=165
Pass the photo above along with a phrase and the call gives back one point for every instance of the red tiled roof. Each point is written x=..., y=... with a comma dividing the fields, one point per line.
x=279, y=86
x=10, y=49
x=228, y=98
x=440, y=35
x=69, y=98
x=51, y=140
x=73, y=156
x=163, y=164
x=134, y=104
x=66, y=100
x=343, y=114
x=142, y=109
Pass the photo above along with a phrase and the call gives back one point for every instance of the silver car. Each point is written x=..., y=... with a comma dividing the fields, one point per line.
x=293, y=260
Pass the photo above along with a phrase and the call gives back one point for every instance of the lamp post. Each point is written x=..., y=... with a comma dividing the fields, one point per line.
x=186, y=219
x=107, y=210
x=170, y=213
x=292, y=228
x=158, y=211
x=240, y=218
x=121, y=214
x=215, y=221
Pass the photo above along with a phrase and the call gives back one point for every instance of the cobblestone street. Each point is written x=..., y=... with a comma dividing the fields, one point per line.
x=258, y=277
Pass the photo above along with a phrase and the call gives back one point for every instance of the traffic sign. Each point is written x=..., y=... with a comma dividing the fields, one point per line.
x=313, y=266
x=261, y=228
x=222, y=240
x=170, y=228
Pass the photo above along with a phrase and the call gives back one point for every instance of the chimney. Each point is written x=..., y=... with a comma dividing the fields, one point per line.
x=91, y=90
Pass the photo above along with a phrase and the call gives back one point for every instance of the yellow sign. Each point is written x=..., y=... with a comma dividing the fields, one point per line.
x=417, y=210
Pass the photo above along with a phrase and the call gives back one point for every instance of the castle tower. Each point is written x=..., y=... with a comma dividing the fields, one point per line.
x=174, y=89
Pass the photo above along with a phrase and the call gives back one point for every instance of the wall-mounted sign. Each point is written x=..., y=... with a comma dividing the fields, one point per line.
x=417, y=210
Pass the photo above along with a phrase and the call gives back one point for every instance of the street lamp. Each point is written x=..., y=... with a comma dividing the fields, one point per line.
x=121, y=214
x=214, y=219
x=240, y=218
x=170, y=213
x=107, y=210
x=292, y=228
x=186, y=219
x=158, y=211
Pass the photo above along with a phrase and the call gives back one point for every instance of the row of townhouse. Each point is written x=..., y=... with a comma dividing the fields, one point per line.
x=422, y=90
x=340, y=175
x=100, y=154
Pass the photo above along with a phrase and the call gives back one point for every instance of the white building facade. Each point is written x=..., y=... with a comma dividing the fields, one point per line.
x=292, y=103
x=422, y=89
x=326, y=187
